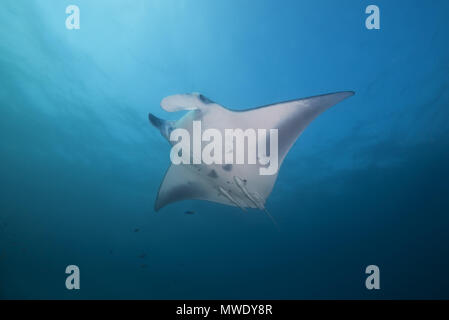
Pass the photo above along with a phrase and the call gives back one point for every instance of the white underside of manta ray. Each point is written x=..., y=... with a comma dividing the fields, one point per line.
x=239, y=185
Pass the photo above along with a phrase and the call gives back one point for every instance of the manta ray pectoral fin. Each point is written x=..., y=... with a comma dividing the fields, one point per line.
x=183, y=183
x=188, y=101
x=292, y=117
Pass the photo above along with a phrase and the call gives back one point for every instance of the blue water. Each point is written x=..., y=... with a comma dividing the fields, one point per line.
x=367, y=182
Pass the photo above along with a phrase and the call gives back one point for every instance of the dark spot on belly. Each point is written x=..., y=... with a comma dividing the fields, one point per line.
x=227, y=167
x=212, y=174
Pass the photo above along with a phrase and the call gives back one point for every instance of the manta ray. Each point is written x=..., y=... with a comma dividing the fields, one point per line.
x=238, y=185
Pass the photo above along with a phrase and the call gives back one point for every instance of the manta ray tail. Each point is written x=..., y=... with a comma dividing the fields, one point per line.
x=272, y=219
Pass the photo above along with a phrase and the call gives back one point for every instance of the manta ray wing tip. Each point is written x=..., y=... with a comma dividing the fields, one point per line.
x=347, y=93
x=344, y=94
x=158, y=205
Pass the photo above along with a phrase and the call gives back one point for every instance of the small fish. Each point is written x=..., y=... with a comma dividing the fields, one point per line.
x=189, y=212
x=136, y=230
x=143, y=255
x=144, y=266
